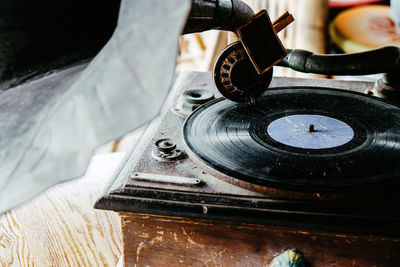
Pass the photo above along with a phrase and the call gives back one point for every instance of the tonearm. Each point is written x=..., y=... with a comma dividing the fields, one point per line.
x=237, y=73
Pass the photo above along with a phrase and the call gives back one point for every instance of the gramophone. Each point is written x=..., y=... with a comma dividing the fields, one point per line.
x=272, y=171
x=277, y=166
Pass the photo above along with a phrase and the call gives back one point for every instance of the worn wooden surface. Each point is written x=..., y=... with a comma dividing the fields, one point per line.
x=169, y=241
x=61, y=227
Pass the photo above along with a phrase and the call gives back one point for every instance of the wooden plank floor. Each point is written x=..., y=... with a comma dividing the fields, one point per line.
x=61, y=228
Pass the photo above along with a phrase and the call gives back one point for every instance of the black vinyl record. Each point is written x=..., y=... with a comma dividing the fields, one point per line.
x=298, y=138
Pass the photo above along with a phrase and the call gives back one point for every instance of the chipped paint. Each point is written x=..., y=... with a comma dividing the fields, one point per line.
x=153, y=241
x=219, y=254
x=191, y=241
x=156, y=240
x=139, y=248
x=144, y=235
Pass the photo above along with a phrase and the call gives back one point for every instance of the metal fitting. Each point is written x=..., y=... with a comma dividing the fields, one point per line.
x=165, y=150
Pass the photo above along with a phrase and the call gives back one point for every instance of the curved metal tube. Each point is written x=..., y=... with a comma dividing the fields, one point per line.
x=217, y=14
x=381, y=60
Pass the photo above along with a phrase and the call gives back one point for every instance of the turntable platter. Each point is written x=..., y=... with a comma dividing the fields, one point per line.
x=303, y=139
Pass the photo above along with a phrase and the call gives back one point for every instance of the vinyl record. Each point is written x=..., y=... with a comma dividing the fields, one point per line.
x=303, y=139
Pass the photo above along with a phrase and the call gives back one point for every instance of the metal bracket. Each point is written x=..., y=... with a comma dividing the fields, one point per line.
x=158, y=178
x=261, y=42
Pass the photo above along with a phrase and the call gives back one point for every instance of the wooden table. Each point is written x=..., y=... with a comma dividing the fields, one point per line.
x=60, y=227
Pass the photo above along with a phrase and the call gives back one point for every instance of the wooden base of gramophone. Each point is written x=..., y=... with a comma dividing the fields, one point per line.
x=151, y=240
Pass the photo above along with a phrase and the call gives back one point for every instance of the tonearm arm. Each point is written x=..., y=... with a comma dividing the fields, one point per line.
x=384, y=60
x=217, y=14
x=241, y=76
x=240, y=79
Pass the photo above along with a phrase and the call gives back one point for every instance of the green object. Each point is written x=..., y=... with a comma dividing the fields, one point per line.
x=289, y=258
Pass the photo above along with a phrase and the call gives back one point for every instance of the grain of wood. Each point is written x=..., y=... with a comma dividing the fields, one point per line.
x=173, y=241
x=61, y=228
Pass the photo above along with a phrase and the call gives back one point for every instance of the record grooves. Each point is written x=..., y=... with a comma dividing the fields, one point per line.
x=355, y=144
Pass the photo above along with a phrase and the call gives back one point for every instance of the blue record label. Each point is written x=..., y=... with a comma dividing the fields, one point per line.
x=310, y=131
